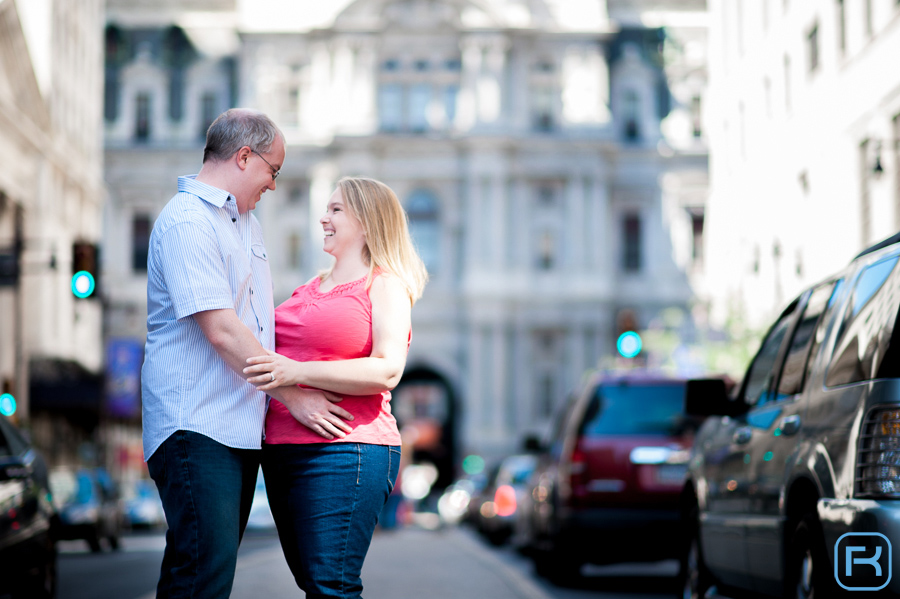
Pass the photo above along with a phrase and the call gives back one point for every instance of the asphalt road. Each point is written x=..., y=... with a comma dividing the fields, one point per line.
x=409, y=563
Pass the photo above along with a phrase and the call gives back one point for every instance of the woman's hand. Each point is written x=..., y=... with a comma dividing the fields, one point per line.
x=317, y=410
x=272, y=371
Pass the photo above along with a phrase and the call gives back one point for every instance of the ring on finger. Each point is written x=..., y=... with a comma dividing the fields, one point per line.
x=272, y=374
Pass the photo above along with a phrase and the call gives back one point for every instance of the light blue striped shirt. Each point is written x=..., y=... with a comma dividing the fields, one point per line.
x=203, y=255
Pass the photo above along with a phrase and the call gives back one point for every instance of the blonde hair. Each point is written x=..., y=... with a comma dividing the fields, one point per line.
x=388, y=242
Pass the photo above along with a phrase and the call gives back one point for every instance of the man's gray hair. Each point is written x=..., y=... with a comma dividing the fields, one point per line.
x=236, y=128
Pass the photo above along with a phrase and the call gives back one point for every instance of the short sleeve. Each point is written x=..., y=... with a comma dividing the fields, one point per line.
x=193, y=267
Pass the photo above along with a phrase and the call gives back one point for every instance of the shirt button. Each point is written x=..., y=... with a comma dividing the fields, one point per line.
x=260, y=329
x=251, y=292
x=234, y=220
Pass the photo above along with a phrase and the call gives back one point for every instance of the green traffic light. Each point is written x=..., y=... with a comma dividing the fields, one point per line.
x=7, y=404
x=629, y=344
x=83, y=284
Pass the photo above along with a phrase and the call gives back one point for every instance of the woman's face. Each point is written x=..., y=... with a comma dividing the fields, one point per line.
x=344, y=235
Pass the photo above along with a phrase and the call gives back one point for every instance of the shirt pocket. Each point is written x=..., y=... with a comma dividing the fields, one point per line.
x=259, y=251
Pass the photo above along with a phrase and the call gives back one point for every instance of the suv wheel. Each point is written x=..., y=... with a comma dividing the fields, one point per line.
x=808, y=576
x=693, y=576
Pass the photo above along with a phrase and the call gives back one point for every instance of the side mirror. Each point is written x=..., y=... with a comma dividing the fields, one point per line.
x=709, y=397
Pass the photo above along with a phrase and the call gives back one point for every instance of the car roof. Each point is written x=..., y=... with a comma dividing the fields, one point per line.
x=895, y=238
x=635, y=377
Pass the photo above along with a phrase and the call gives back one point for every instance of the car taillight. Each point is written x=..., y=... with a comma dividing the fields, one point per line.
x=577, y=471
x=878, y=462
x=505, y=500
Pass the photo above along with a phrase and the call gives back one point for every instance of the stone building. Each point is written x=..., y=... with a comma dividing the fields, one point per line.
x=51, y=198
x=549, y=158
x=804, y=127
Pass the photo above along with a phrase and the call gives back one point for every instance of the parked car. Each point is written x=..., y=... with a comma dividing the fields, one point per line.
x=505, y=491
x=28, y=520
x=89, y=506
x=143, y=507
x=793, y=488
x=607, y=488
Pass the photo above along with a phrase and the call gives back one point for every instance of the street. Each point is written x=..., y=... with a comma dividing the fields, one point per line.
x=409, y=563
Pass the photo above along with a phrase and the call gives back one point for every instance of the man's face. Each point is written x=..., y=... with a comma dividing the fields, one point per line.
x=259, y=174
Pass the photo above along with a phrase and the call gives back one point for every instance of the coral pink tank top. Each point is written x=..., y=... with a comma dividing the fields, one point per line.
x=337, y=325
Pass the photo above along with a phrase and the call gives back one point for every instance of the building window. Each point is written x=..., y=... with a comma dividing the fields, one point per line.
x=697, y=236
x=842, y=27
x=176, y=94
x=631, y=111
x=450, y=94
x=419, y=99
x=424, y=227
x=390, y=107
x=542, y=111
x=295, y=251
x=631, y=243
x=208, y=112
x=142, y=117
x=547, y=390
x=140, y=242
x=812, y=48
x=787, y=82
x=696, y=117
x=299, y=193
x=546, y=255
x=870, y=27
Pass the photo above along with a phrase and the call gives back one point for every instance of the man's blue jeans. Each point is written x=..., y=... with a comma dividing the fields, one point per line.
x=325, y=498
x=206, y=490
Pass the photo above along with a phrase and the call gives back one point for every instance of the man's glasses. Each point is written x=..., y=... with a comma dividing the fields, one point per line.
x=275, y=171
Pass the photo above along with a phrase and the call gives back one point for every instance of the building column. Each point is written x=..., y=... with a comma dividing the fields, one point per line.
x=473, y=419
x=473, y=226
x=498, y=236
x=575, y=240
x=497, y=383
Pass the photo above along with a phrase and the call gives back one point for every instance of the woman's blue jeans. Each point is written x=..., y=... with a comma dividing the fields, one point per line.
x=206, y=490
x=325, y=498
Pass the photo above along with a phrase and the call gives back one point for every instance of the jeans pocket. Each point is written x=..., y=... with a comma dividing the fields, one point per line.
x=393, y=467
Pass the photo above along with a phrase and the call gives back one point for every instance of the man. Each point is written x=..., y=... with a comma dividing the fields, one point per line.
x=209, y=308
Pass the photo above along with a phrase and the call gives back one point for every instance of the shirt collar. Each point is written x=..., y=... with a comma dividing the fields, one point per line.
x=213, y=195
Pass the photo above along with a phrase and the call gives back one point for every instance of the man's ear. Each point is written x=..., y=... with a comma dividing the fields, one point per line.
x=242, y=156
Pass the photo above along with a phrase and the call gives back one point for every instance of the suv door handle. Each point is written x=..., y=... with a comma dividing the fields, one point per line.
x=742, y=435
x=790, y=425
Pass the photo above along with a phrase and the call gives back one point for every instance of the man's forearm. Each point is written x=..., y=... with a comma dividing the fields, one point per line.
x=230, y=337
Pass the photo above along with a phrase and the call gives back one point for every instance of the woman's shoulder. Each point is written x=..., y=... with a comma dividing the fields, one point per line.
x=387, y=285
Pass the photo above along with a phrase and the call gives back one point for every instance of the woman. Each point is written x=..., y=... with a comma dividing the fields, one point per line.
x=346, y=331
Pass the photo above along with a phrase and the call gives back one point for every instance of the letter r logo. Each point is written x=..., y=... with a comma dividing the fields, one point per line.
x=862, y=561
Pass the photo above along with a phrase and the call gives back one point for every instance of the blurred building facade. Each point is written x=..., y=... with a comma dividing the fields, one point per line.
x=51, y=199
x=804, y=124
x=549, y=155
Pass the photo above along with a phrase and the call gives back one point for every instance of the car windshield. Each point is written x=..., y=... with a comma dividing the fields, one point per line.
x=636, y=409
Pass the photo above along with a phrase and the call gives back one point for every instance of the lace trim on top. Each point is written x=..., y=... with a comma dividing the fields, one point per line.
x=337, y=289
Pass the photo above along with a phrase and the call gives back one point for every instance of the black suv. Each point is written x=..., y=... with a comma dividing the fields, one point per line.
x=28, y=522
x=793, y=487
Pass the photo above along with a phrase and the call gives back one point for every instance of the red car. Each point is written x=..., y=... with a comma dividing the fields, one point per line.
x=607, y=487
